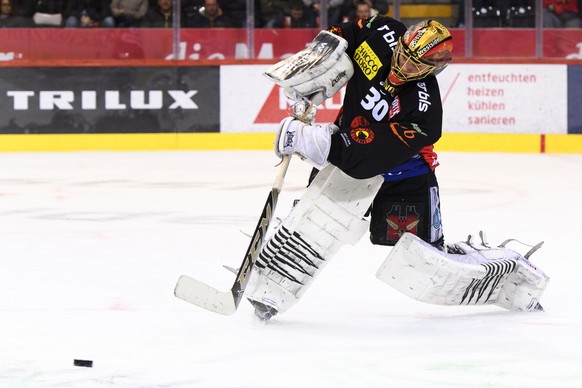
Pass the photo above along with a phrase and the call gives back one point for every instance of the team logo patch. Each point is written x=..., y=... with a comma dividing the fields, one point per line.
x=401, y=219
x=367, y=60
x=336, y=30
x=359, y=121
x=360, y=133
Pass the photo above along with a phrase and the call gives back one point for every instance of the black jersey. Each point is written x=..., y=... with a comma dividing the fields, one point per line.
x=380, y=131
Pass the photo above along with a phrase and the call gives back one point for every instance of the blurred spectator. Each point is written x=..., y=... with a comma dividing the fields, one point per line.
x=9, y=17
x=208, y=16
x=521, y=13
x=23, y=8
x=89, y=13
x=300, y=16
x=498, y=13
x=349, y=8
x=49, y=13
x=363, y=10
x=352, y=7
x=159, y=16
x=334, y=10
x=236, y=10
x=561, y=14
x=486, y=13
x=129, y=13
x=272, y=13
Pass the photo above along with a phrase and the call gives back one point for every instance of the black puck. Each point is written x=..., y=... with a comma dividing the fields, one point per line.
x=85, y=363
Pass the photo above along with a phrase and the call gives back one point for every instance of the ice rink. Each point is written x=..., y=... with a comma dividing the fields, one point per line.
x=92, y=244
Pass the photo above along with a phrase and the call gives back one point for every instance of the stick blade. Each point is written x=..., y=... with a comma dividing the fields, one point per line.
x=202, y=295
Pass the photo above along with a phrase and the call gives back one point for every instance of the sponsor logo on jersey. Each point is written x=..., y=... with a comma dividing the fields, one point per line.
x=367, y=60
x=394, y=108
x=360, y=133
x=405, y=134
x=369, y=24
x=423, y=97
x=417, y=129
x=346, y=139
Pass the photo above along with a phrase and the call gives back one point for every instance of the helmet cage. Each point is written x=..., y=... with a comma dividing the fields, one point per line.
x=431, y=50
x=412, y=67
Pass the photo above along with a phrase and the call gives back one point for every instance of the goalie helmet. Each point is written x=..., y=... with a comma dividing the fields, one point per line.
x=424, y=49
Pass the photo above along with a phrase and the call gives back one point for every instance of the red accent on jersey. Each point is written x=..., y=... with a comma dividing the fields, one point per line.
x=394, y=107
x=429, y=156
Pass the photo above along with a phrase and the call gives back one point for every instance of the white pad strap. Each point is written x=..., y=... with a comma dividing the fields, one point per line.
x=316, y=72
x=490, y=276
x=328, y=216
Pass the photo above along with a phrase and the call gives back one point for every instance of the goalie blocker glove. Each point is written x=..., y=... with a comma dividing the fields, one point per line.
x=311, y=142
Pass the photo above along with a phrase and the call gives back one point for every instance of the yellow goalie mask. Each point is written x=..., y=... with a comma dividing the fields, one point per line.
x=424, y=49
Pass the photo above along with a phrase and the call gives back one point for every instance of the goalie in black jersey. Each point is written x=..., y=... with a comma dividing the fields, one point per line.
x=390, y=119
x=378, y=155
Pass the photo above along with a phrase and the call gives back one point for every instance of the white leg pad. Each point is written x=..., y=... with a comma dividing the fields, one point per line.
x=328, y=216
x=494, y=276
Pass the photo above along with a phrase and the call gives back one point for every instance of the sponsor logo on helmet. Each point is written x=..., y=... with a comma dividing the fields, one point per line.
x=367, y=60
x=417, y=37
x=426, y=48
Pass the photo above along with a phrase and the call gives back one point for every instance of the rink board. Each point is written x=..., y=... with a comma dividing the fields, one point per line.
x=461, y=142
x=487, y=108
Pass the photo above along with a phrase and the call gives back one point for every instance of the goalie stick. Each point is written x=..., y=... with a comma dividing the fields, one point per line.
x=226, y=303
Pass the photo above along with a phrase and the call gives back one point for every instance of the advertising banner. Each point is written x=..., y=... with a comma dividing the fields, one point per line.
x=109, y=100
x=252, y=103
x=479, y=98
x=504, y=98
x=210, y=44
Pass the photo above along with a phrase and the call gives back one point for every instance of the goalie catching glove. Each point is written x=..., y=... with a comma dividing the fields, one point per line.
x=317, y=72
x=311, y=142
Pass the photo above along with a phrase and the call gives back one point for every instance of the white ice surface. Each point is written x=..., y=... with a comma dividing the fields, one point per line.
x=92, y=243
